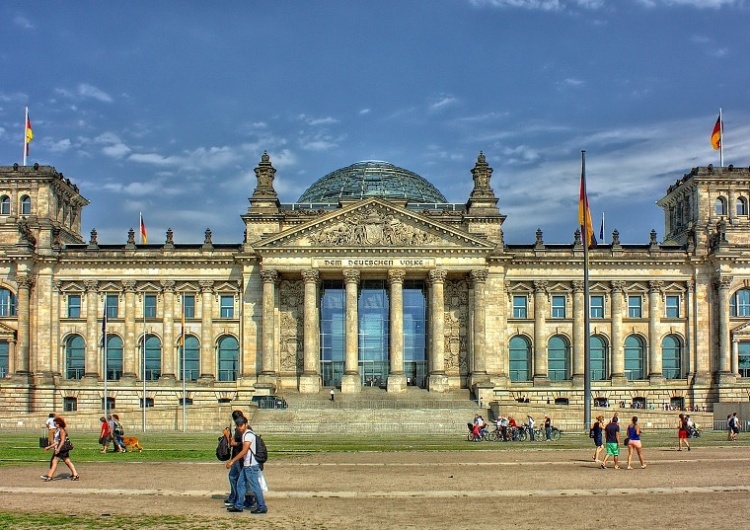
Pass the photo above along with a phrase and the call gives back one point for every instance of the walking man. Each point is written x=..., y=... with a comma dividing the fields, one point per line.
x=250, y=476
x=612, y=437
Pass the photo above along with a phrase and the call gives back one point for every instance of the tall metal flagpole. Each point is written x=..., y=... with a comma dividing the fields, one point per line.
x=25, y=137
x=143, y=359
x=104, y=348
x=184, y=380
x=586, y=304
x=721, y=142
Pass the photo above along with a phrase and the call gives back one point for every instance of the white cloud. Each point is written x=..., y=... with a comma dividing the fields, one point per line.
x=363, y=112
x=570, y=83
x=442, y=102
x=22, y=22
x=328, y=120
x=116, y=150
x=85, y=91
x=59, y=146
x=700, y=4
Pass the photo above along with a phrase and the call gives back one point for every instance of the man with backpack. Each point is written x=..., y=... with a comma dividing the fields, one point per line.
x=249, y=478
x=235, y=444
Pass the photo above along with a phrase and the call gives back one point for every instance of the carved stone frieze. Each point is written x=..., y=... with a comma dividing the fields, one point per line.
x=291, y=311
x=456, y=327
x=373, y=227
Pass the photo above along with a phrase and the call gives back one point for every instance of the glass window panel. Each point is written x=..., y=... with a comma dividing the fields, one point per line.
x=739, y=304
x=227, y=306
x=190, y=370
x=598, y=355
x=114, y=357
x=520, y=359
x=74, y=357
x=111, y=303
x=597, y=306
x=228, y=358
x=149, y=306
x=672, y=306
x=558, y=306
x=558, y=358
x=7, y=303
x=744, y=358
x=188, y=305
x=153, y=358
x=4, y=357
x=74, y=306
x=671, y=357
x=634, y=358
x=635, y=304
x=520, y=306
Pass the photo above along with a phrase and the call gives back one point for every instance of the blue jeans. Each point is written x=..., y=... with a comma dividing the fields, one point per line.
x=234, y=475
x=249, y=480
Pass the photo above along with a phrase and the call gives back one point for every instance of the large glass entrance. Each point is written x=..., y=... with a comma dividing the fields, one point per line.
x=332, y=332
x=415, y=336
x=373, y=309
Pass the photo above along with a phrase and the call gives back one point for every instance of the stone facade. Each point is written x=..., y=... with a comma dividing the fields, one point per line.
x=669, y=321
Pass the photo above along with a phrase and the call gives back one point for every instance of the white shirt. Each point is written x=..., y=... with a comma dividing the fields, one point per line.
x=50, y=423
x=249, y=459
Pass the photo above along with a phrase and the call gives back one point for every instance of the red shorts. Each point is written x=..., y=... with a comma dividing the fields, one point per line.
x=682, y=434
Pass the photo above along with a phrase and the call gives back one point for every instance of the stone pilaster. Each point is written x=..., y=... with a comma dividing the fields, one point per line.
x=578, y=332
x=396, y=377
x=130, y=353
x=724, y=375
x=309, y=382
x=208, y=360
x=541, y=375
x=350, y=381
x=170, y=351
x=93, y=363
x=655, y=294
x=479, y=332
x=270, y=278
x=438, y=381
x=617, y=347
x=23, y=310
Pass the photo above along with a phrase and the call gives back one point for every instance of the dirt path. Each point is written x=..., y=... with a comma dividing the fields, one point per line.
x=477, y=489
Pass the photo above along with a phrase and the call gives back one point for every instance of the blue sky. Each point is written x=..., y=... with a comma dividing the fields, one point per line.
x=166, y=107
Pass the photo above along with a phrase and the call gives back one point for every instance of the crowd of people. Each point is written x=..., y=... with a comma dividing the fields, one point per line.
x=111, y=431
x=507, y=429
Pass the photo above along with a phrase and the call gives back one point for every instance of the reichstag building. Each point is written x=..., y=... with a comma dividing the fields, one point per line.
x=372, y=279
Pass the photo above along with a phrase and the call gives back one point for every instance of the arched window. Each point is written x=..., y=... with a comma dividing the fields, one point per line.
x=671, y=357
x=743, y=358
x=25, y=205
x=114, y=357
x=191, y=351
x=739, y=303
x=721, y=206
x=558, y=358
x=520, y=359
x=228, y=360
x=4, y=357
x=598, y=355
x=153, y=358
x=7, y=303
x=4, y=205
x=74, y=357
x=634, y=358
x=742, y=206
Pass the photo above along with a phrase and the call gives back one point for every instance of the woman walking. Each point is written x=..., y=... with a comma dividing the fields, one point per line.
x=634, y=442
x=596, y=433
x=682, y=433
x=61, y=451
x=105, y=433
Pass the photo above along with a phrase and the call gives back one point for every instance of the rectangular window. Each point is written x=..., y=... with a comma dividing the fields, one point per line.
x=111, y=305
x=519, y=306
x=188, y=305
x=558, y=306
x=149, y=306
x=634, y=307
x=74, y=306
x=672, y=306
x=226, y=306
x=597, y=306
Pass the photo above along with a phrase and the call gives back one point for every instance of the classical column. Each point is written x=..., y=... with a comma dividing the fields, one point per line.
x=268, y=362
x=541, y=375
x=617, y=346
x=351, y=382
x=479, y=279
x=438, y=381
x=23, y=311
x=170, y=351
x=93, y=363
x=725, y=353
x=130, y=353
x=310, y=379
x=208, y=361
x=578, y=332
x=396, y=377
x=654, y=317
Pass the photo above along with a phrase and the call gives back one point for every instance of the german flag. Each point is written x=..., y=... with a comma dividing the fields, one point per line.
x=716, y=134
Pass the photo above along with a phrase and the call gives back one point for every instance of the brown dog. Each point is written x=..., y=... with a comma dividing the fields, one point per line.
x=131, y=443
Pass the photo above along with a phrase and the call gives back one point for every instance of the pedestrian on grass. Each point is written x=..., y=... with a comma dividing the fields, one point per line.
x=596, y=433
x=50, y=424
x=612, y=437
x=105, y=434
x=61, y=434
x=735, y=426
x=250, y=477
x=548, y=428
x=634, y=442
x=682, y=433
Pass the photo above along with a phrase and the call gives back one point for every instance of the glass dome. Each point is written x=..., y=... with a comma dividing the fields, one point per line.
x=372, y=179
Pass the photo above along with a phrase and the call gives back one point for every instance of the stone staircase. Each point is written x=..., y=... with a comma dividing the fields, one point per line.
x=372, y=411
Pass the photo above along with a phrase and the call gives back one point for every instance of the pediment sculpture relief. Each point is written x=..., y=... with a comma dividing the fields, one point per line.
x=373, y=227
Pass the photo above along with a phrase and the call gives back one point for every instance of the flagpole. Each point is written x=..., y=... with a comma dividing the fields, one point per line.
x=25, y=138
x=104, y=348
x=143, y=360
x=721, y=144
x=586, y=303
x=184, y=380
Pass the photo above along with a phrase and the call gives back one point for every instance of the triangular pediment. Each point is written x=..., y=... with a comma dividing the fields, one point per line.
x=373, y=223
x=743, y=330
x=6, y=332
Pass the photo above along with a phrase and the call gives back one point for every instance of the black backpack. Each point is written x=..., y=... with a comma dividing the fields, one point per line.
x=261, y=452
x=223, y=450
